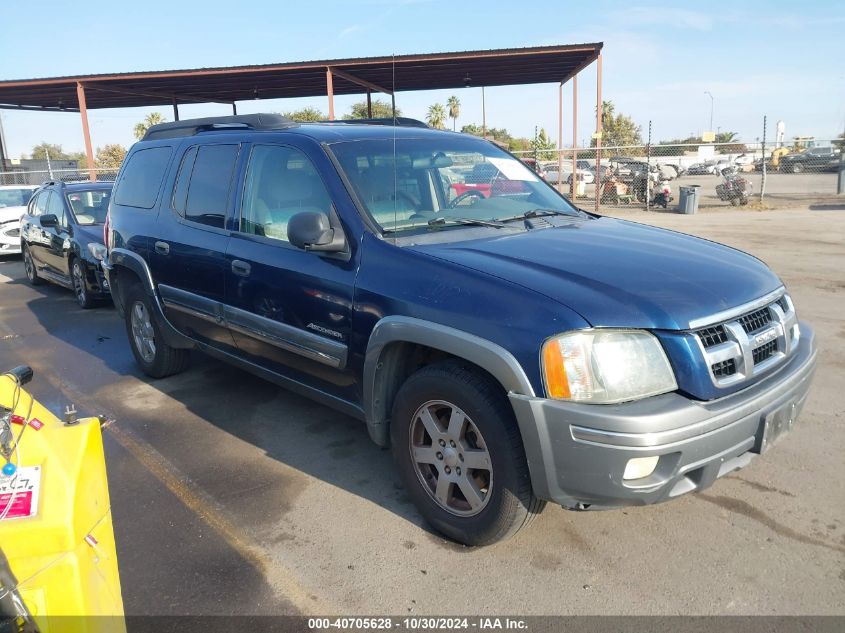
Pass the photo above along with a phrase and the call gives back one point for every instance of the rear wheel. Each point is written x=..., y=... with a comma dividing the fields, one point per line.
x=29, y=267
x=460, y=454
x=156, y=358
x=77, y=275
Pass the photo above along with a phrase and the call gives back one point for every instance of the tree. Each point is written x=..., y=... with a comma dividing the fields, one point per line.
x=40, y=151
x=436, y=116
x=454, y=106
x=619, y=129
x=110, y=156
x=153, y=118
x=381, y=110
x=306, y=114
x=543, y=146
x=726, y=137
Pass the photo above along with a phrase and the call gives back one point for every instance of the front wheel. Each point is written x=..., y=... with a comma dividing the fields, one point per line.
x=460, y=454
x=156, y=358
x=797, y=168
x=77, y=274
x=29, y=268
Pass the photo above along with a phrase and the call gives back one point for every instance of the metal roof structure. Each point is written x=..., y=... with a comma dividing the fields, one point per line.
x=500, y=67
x=387, y=74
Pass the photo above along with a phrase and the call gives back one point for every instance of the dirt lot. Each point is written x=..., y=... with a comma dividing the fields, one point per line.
x=233, y=496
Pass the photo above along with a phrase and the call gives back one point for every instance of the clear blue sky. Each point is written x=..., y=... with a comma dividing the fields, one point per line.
x=782, y=59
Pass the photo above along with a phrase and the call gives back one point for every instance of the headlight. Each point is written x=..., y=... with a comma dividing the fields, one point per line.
x=606, y=366
x=98, y=250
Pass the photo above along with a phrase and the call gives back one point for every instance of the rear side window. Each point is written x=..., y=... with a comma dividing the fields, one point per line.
x=142, y=178
x=211, y=180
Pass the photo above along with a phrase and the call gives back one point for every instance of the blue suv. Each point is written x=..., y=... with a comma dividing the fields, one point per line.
x=508, y=347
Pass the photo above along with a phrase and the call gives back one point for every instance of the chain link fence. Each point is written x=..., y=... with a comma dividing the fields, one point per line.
x=796, y=173
x=27, y=177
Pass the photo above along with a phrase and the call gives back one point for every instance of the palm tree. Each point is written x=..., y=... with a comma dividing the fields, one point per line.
x=726, y=137
x=153, y=118
x=436, y=116
x=454, y=105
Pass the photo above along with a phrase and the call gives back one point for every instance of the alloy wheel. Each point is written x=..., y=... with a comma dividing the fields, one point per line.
x=79, y=283
x=450, y=458
x=143, y=333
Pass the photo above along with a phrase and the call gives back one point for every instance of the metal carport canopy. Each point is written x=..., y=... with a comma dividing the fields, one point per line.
x=546, y=64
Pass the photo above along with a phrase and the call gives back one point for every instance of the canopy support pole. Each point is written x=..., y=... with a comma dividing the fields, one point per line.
x=86, y=132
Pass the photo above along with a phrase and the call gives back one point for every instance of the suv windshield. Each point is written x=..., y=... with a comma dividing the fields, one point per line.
x=15, y=197
x=90, y=205
x=431, y=183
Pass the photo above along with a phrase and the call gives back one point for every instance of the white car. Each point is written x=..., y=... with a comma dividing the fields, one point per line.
x=13, y=201
x=566, y=175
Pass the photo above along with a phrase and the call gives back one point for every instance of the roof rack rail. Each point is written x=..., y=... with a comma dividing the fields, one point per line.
x=399, y=121
x=189, y=127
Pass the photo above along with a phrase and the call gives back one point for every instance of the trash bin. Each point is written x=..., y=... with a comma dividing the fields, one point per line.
x=688, y=198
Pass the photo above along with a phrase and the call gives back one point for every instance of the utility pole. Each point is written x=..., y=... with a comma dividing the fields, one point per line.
x=763, y=182
x=648, y=169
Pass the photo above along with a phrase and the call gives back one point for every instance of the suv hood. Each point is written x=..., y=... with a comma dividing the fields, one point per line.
x=616, y=273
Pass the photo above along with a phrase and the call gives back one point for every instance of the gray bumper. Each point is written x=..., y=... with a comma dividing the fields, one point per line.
x=577, y=453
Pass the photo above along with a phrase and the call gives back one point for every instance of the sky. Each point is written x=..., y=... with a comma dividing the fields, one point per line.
x=774, y=58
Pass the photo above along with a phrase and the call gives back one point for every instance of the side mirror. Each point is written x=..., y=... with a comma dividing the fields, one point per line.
x=312, y=231
x=48, y=220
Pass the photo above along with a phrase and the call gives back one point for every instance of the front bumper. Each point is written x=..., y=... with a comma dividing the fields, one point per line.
x=577, y=453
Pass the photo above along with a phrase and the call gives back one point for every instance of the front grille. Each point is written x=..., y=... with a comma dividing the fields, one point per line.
x=711, y=336
x=765, y=351
x=737, y=349
x=724, y=368
x=756, y=320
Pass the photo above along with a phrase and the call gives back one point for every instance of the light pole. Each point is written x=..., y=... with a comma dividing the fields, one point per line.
x=707, y=92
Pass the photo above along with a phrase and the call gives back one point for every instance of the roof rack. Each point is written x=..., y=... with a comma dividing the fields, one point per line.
x=399, y=121
x=189, y=127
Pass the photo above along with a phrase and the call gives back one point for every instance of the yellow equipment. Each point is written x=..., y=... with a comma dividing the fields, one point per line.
x=777, y=154
x=58, y=564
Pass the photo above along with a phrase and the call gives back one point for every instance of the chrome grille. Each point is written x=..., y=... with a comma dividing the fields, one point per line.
x=762, y=353
x=724, y=368
x=749, y=343
x=755, y=321
x=711, y=336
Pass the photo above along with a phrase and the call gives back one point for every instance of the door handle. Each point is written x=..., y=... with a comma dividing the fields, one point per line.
x=240, y=268
x=163, y=248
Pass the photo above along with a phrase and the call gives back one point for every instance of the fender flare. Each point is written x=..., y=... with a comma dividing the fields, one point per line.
x=495, y=359
x=124, y=258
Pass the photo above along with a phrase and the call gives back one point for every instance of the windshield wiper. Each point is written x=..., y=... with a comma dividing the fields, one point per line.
x=535, y=213
x=468, y=221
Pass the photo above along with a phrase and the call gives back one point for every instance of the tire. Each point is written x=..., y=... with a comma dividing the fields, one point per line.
x=503, y=500
x=797, y=168
x=29, y=268
x=155, y=357
x=77, y=277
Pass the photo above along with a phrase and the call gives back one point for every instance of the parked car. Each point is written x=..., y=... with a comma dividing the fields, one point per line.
x=585, y=175
x=537, y=167
x=667, y=171
x=701, y=169
x=511, y=350
x=813, y=159
x=13, y=201
x=62, y=238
